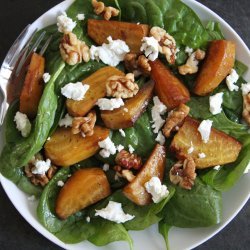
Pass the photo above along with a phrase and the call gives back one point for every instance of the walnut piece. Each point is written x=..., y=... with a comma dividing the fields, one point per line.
x=84, y=125
x=73, y=50
x=246, y=108
x=122, y=86
x=127, y=160
x=175, y=119
x=101, y=9
x=39, y=179
x=192, y=62
x=167, y=44
x=135, y=63
x=183, y=173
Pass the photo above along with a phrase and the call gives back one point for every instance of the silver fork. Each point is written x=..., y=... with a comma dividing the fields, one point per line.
x=15, y=60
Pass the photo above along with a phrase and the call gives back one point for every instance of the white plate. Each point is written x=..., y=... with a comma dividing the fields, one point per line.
x=149, y=239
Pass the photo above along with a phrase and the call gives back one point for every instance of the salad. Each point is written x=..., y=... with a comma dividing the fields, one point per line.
x=137, y=114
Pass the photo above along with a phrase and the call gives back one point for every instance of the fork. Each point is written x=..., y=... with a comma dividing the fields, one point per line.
x=15, y=61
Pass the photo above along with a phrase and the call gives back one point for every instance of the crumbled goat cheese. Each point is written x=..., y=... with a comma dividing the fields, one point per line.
x=202, y=155
x=109, y=104
x=60, y=183
x=48, y=138
x=113, y=212
x=245, y=87
x=131, y=149
x=215, y=102
x=122, y=132
x=117, y=177
x=191, y=149
x=75, y=91
x=108, y=148
x=46, y=77
x=231, y=80
x=189, y=51
x=160, y=138
x=119, y=148
x=125, y=110
x=80, y=17
x=22, y=123
x=156, y=189
x=158, y=109
x=65, y=24
x=112, y=53
x=217, y=167
x=247, y=169
x=150, y=47
x=32, y=198
x=205, y=130
x=66, y=121
x=105, y=167
x=41, y=167
x=88, y=219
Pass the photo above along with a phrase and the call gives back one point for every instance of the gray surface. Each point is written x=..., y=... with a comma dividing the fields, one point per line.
x=15, y=232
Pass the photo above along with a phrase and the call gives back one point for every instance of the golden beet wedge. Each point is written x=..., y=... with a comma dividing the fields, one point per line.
x=97, y=83
x=154, y=167
x=127, y=115
x=220, y=149
x=33, y=86
x=217, y=65
x=84, y=188
x=171, y=91
x=65, y=149
x=131, y=33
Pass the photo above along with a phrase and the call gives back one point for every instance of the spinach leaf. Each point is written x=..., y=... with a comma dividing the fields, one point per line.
x=214, y=30
x=198, y=207
x=164, y=230
x=15, y=155
x=173, y=15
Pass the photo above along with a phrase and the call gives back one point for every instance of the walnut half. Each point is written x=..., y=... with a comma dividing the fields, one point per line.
x=122, y=86
x=183, y=173
x=73, y=50
x=84, y=125
x=175, y=119
x=128, y=160
x=101, y=9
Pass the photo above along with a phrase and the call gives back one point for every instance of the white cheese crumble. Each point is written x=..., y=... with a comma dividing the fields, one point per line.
x=119, y=148
x=113, y=212
x=156, y=189
x=105, y=167
x=217, y=167
x=109, y=104
x=247, y=169
x=60, y=183
x=41, y=167
x=245, y=87
x=160, y=138
x=66, y=121
x=80, y=16
x=215, y=102
x=189, y=50
x=122, y=132
x=75, y=91
x=158, y=109
x=150, y=47
x=205, y=130
x=202, y=155
x=131, y=149
x=48, y=138
x=88, y=219
x=46, y=77
x=191, y=149
x=117, y=177
x=31, y=198
x=65, y=24
x=231, y=80
x=125, y=110
x=111, y=53
x=22, y=123
x=108, y=148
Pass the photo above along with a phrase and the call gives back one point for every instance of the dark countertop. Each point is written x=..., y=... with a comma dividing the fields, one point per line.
x=15, y=232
